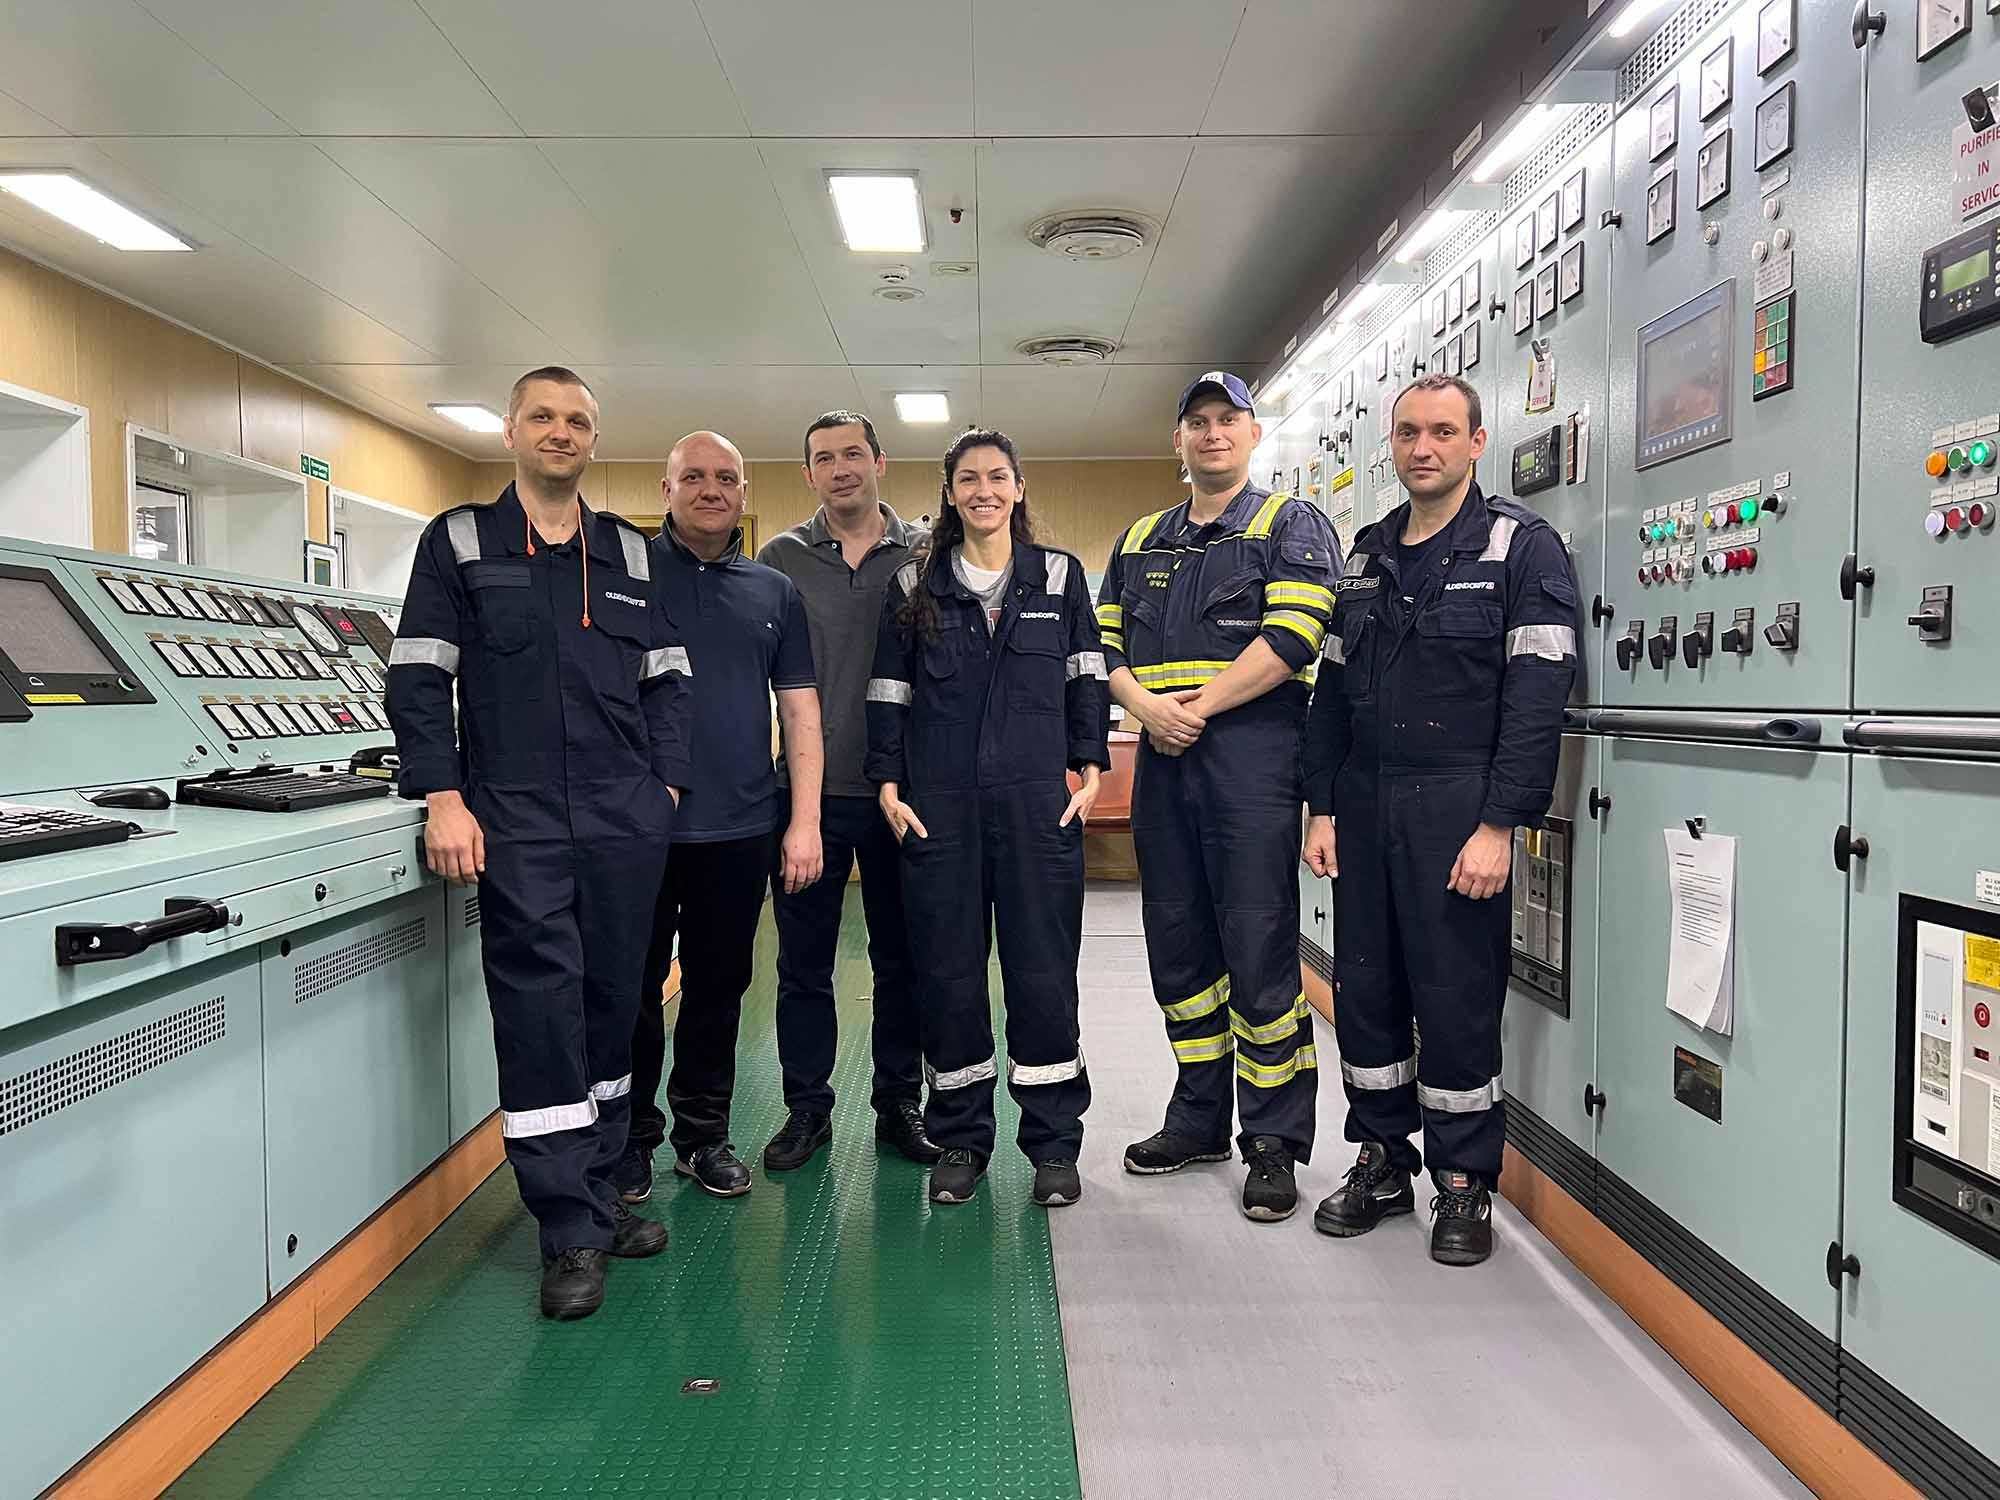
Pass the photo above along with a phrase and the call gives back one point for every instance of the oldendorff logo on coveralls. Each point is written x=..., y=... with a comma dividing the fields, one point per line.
x=625, y=598
x=1040, y=614
x=1470, y=583
x=1344, y=584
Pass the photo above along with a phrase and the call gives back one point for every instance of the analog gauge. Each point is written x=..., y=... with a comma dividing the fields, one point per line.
x=231, y=663
x=1715, y=72
x=317, y=630
x=176, y=658
x=183, y=605
x=122, y=592
x=206, y=603
x=1524, y=241
x=1711, y=177
x=253, y=612
x=318, y=664
x=1663, y=123
x=1471, y=344
x=232, y=609
x=1774, y=127
x=301, y=668
x=1524, y=306
x=1572, y=204
x=1941, y=22
x=274, y=659
x=210, y=667
x=154, y=599
x=1572, y=272
x=1774, y=34
x=1548, y=215
x=1660, y=206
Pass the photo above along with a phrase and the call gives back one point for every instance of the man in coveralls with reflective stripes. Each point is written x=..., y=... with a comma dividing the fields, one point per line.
x=556, y=794
x=1212, y=614
x=1434, y=733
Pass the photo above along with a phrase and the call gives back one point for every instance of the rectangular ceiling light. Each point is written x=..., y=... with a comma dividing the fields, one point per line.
x=1528, y=132
x=1632, y=17
x=879, y=211
x=923, y=406
x=77, y=203
x=472, y=417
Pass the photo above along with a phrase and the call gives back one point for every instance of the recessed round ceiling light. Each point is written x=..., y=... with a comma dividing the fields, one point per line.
x=899, y=293
x=1090, y=236
x=1068, y=349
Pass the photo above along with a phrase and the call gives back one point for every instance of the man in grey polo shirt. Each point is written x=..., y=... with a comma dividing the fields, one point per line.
x=841, y=561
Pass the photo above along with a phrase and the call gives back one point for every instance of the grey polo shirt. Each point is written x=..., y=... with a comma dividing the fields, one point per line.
x=843, y=613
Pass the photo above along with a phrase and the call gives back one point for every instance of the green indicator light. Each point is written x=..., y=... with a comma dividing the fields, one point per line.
x=1981, y=454
x=1955, y=459
x=1748, y=510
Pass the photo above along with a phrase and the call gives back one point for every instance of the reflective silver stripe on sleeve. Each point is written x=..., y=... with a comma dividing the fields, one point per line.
x=1551, y=642
x=462, y=527
x=1335, y=650
x=613, y=1088
x=1061, y=1072
x=1357, y=564
x=424, y=651
x=889, y=690
x=1392, y=1077
x=1500, y=540
x=1058, y=572
x=959, y=1078
x=1087, y=664
x=635, y=554
x=660, y=662
x=906, y=575
x=677, y=661
x=1460, y=1101
x=517, y=1123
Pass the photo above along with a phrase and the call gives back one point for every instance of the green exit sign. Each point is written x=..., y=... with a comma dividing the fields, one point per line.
x=314, y=468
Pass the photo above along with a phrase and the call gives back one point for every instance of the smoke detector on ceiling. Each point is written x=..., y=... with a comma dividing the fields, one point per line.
x=893, y=284
x=1068, y=349
x=1090, y=236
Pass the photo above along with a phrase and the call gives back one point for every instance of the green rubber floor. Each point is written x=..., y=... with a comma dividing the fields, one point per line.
x=867, y=1345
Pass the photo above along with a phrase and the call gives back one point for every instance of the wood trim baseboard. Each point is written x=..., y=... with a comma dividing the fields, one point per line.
x=1319, y=994
x=156, y=1446
x=1831, y=1461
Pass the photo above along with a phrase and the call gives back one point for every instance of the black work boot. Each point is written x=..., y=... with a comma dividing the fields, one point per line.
x=633, y=1176
x=1461, y=1220
x=802, y=1134
x=903, y=1128
x=573, y=1284
x=1375, y=1190
x=715, y=1170
x=1057, y=1184
x=1169, y=1151
x=955, y=1178
x=634, y=1238
x=1270, y=1192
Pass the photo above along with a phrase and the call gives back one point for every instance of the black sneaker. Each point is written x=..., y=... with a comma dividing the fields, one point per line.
x=1461, y=1220
x=1270, y=1192
x=793, y=1146
x=716, y=1170
x=573, y=1284
x=956, y=1176
x=633, y=1176
x=1169, y=1151
x=1374, y=1191
x=1057, y=1183
x=904, y=1129
x=634, y=1238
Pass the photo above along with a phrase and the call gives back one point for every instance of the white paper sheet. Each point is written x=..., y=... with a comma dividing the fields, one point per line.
x=1701, y=957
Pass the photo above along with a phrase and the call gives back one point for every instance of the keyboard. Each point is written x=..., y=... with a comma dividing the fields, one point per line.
x=26, y=830
x=278, y=790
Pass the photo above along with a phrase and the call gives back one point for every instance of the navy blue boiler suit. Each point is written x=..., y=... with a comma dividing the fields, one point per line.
x=1435, y=713
x=1216, y=829
x=977, y=729
x=566, y=741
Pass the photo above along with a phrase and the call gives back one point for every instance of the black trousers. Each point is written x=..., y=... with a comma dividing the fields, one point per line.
x=851, y=829
x=712, y=896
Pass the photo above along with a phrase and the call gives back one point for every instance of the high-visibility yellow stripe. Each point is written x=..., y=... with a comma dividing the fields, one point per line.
x=1271, y=1031
x=1115, y=639
x=1256, y=1074
x=1305, y=595
x=1267, y=513
x=1141, y=531
x=1110, y=616
x=1195, y=1006
x=1205, y=1048
x=1186, y=674
x=1304, y=626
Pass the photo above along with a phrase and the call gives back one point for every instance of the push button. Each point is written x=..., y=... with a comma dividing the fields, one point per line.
x=1980, y=455
x=1935, y=466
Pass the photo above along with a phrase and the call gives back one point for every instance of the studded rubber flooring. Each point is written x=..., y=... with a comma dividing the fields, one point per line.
x=866, y=1345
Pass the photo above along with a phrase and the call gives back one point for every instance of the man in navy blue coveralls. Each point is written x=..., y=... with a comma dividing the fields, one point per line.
x=1434, y=734
x=555, y=790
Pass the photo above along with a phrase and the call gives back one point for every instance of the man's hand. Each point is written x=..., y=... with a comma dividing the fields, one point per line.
x=800, y=858
x=454, y=844
x=1318, y=852
x=902, y=817
x=1169, y=722
x=1084, y=798
x=1482, y=865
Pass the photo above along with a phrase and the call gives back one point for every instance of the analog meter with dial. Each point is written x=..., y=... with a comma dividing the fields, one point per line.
x=317, y=630
x=1774, y=126
x=1940, y=23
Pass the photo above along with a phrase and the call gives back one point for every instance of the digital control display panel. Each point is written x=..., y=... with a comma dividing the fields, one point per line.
x=1958, y=292
x=1538, y=461
x=1686, y=369
x=50, y=653
x=1539, y=945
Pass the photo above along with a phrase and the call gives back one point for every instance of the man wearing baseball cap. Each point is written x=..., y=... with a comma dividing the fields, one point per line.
x=1213, y=613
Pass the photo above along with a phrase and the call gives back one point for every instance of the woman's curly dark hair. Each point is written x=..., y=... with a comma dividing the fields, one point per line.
x=918, y=618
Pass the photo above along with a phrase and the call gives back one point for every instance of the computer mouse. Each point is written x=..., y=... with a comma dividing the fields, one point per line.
x=150, y=798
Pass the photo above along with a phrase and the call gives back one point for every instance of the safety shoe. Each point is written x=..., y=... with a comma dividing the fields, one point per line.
x=633, y=1176
x=716, y=1170
x=1169, y=1151
x=803, y=1133
x=1057, y=1183
x=1461, y=1220
x=1270, y=1192
x=634, y=1238
x=1374, y=1191
x=904, y=1129
x=573, y=1284
x=955, y=1178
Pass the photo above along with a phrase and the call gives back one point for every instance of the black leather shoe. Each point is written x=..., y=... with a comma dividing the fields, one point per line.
x=955, y=1178
x=1057, y=1183
x=716, y=1170
x=573, y=1284
x=1374, y=1191
x=1461, y=1220
x=905, y=1131
x=1270, y=1192
x=634, y=1238
x=794, y=1145
x=633, y=1176
x=1169, y=1151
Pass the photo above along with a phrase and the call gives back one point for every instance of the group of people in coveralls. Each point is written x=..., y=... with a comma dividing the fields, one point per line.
x=586, y=712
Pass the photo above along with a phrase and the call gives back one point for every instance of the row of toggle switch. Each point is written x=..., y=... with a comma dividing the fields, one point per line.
x=1782, y=634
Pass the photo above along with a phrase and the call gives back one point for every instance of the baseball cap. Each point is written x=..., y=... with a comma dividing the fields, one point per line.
x=1216, y=383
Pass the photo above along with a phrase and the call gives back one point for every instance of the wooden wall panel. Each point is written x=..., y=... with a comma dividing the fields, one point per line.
x=38, y=329
x=274, y=416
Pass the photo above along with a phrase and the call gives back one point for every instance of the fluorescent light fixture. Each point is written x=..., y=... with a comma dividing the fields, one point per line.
x=923, y=406
x=1515, y=144
x=469, y=415
x=1322, y=344
x=1630, y=18
x=1358, y=302
x=1438, y=223
x=879, y=211
x=77, y=203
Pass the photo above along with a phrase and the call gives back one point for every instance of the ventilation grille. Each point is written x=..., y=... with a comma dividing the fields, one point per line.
x=1388, y=311
x=1475, y=228
x=471, y=911
x=1925, y=1451
x=1663, y=48
x=1316, y=958
x=331, y=970
x=1578, y=130
x=42, y=1091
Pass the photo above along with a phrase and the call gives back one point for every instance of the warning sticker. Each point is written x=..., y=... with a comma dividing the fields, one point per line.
x=1982, y=961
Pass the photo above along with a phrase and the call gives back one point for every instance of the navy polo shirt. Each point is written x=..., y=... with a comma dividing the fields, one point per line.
x=745, y=631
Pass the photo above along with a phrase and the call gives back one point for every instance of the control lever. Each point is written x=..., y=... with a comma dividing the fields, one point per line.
x=1699, y=643
x=1853, y=575
x=1660, y=649
x=1933, y=616
x=1783, y=632
x=98, y=942
x=1600, y=611
x=1629, y=645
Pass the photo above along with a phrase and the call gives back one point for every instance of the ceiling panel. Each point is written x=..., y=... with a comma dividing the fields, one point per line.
x=652, y=73
x=1100, y=69
x=107, y=67
x=877, y=386
x=1047, y=411
x=862, y=68
x=361, y=67
x=17, y=119
x=1136, y=411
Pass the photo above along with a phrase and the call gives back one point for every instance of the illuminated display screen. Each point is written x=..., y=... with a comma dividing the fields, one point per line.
x=40, y=636
x=1687, y=373
x=1959, y=275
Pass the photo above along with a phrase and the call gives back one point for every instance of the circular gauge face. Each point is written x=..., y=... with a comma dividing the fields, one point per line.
x=317, y=630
